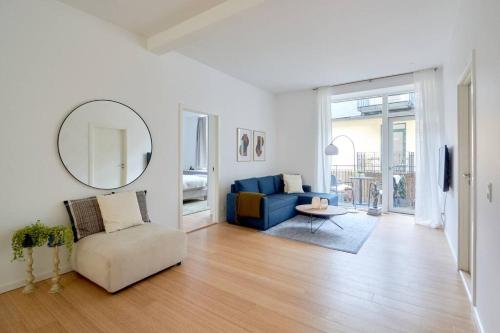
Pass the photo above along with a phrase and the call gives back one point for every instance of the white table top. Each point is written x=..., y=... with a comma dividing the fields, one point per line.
x=329, y=211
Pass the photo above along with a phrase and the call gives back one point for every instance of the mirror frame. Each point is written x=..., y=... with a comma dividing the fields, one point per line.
x=103, y=100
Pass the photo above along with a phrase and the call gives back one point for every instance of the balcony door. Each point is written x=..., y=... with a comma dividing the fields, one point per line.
x=381, y=158
x=401, y=166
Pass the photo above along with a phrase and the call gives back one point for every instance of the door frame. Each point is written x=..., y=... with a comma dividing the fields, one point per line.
x=213, y=160
x=390, y=174
x=466, y=119
x=386, y=117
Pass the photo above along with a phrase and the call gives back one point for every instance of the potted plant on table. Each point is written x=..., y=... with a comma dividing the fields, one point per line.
x=58, y=236
x=26, y=238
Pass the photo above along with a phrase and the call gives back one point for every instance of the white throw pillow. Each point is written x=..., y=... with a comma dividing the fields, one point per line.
x=119, y=211
x=293, y=183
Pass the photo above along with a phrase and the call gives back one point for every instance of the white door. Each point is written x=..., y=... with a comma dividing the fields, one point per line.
x=401, y=178
x=466, y=181
x=213, y=175
x=109, y=157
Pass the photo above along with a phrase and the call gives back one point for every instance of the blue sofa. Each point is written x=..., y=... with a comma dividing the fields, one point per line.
x=276, y=206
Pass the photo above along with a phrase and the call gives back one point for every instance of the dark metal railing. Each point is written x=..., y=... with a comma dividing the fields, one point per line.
x=369, y=168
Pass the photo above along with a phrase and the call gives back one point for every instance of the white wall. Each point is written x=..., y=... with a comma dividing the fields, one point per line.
x=297, y=133
x=477, y=28
x=53, y=58
x=365, y=133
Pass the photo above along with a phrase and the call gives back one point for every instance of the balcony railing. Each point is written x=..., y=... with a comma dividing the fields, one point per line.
x=343, y=183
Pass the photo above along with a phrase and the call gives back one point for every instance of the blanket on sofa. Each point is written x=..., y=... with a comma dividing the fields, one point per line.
x=249, y=204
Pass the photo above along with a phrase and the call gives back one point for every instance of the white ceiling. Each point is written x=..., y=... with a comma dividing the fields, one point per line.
x=144, y=17
x=287, y=45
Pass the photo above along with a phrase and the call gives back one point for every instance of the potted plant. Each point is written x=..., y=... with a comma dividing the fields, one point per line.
x=27, y=238
x=57, y=236
x=60, y=235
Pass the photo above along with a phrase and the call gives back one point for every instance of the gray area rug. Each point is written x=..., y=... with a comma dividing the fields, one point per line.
x=195, y=206
x=357, y=229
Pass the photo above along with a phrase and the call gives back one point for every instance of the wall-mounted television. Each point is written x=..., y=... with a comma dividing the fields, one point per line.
x=444, y=168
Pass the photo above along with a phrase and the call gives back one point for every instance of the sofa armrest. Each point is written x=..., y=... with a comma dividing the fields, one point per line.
x=231, y=207
x=306, y=188
x=264, y=211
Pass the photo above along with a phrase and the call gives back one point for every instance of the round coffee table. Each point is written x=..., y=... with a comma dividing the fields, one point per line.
x=321, y=214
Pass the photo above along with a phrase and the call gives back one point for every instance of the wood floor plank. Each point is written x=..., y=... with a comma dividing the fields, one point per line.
x=237, y=279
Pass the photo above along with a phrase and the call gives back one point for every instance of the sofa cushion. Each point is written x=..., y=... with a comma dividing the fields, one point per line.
x=118, y=259
x=119, y=211
x=247, y=185
x=277, y=201
x=279, y=185
x=293, y=183
x=266, y=185
x=85, y=217
x=143, y=206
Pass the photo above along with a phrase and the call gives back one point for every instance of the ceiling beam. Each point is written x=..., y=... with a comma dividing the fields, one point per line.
x=190, y=29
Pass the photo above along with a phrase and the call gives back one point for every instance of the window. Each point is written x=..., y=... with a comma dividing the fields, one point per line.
x=357, y=107
x=401, y=102
x=381, y=126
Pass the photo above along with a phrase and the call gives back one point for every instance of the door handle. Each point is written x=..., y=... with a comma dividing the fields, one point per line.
x=466, y=175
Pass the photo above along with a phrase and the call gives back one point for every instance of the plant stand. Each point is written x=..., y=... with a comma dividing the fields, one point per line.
x=56, y=285
x=30, y=286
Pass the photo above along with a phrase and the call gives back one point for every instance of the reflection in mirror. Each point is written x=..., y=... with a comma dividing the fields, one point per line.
x=105, y=144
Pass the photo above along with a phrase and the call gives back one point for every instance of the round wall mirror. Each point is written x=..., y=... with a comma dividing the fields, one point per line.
x=105, y=144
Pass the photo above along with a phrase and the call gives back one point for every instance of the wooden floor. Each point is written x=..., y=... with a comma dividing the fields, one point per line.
x=238, y=280
x=196, y=221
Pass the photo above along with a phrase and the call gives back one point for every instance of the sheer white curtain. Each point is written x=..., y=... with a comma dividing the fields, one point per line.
x=202, y=143
x=428, y=115
x=324, y=136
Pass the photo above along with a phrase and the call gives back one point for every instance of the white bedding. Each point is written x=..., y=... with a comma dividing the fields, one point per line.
x=193, y=181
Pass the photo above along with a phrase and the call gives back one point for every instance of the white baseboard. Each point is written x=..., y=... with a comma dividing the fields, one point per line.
x=475, y=313
x=38, y=277
x=477, y=320
x=450, y=245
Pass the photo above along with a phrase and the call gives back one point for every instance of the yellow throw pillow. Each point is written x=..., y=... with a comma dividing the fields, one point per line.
x=119, y=211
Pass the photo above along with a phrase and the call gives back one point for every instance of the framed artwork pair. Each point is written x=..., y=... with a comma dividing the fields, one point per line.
x=251, y=145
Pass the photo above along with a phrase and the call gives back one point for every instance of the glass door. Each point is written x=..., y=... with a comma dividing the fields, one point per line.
x=402, y=164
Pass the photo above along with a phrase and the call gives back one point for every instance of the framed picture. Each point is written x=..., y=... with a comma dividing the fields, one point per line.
x=244, y=144
x=259, y=146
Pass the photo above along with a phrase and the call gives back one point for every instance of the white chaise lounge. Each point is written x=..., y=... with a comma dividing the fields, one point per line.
x=119, y=259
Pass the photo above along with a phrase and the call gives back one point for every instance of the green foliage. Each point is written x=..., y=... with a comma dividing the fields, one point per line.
x=38, y=233
x=402, y=188
x=60, y=235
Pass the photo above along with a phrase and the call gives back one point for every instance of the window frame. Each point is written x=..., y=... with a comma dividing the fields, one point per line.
x=382, y=93
x=387, y=118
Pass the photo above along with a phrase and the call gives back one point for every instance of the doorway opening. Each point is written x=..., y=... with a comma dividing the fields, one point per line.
x=198, y=204
x=466, y=181
x=402, y=164
x=380, y=153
